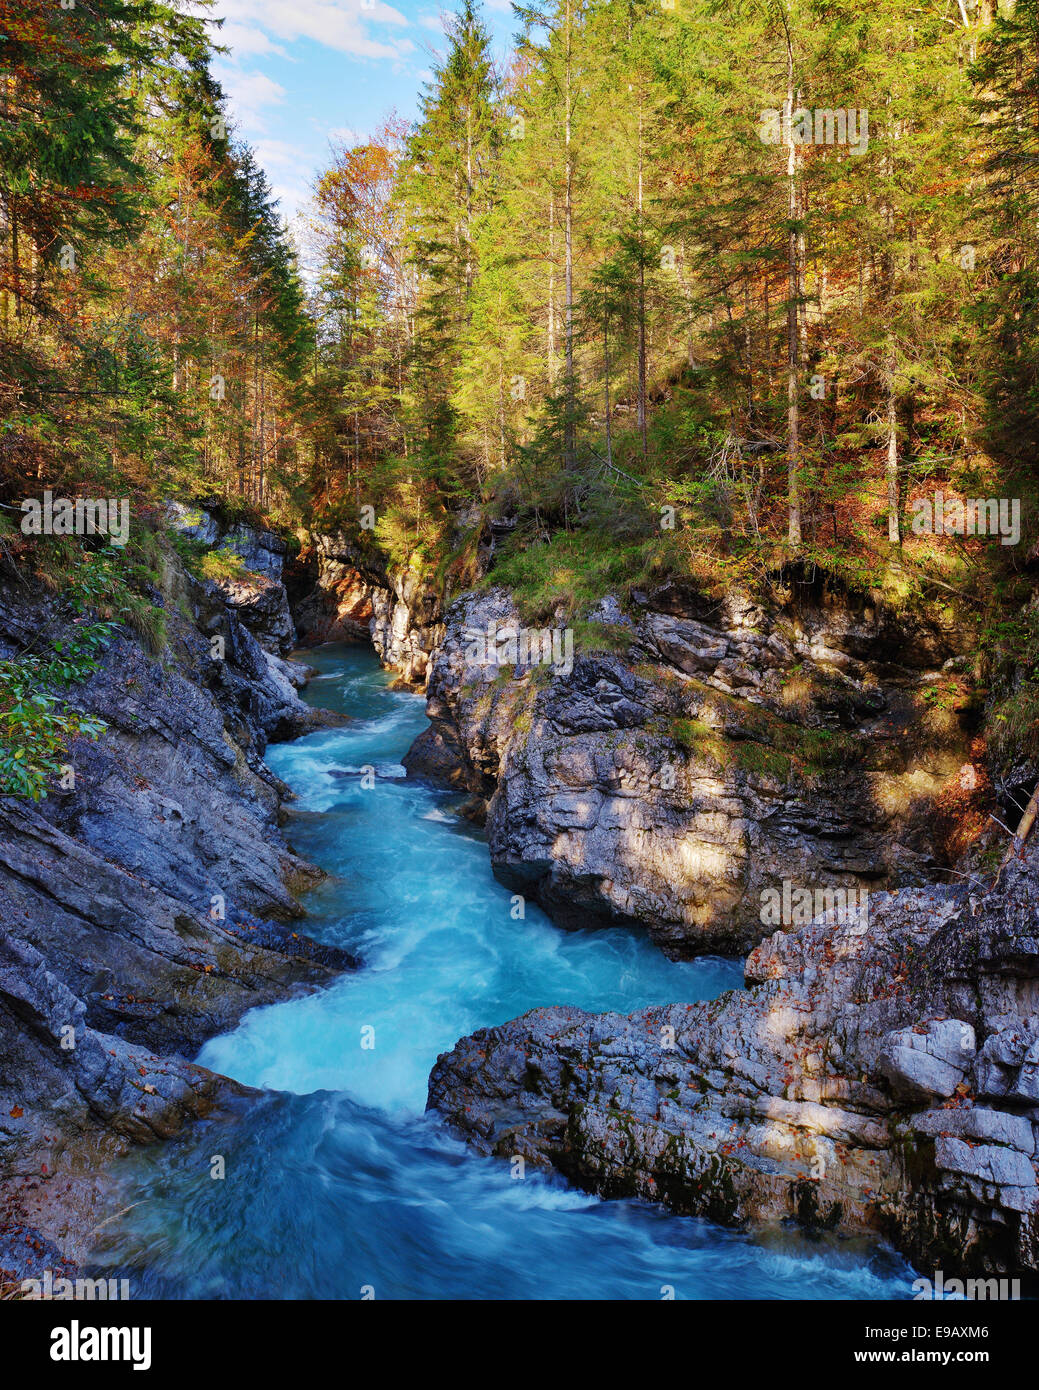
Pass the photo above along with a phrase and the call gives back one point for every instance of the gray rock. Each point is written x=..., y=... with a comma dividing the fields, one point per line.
x=689, y=646
x=262, y=605
x=918, y=1076
x=771, y=1103
x=406, y=624
x=263, y=552
x=690, y=807
x=996, y=1126
x=195, y=522
x=1000, y=1057
x=608, y=610
x=988, y=1162
x=928, y=1060
x=153, y=904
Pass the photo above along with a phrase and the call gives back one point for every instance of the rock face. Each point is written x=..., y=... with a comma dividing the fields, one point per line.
x=407, y=624
x=882, y=1080
x=681, y=771
x=353, y=596
x=151, y=905
x=263, y=606
x=262, y=552
x=335, y=585
x=258, y=597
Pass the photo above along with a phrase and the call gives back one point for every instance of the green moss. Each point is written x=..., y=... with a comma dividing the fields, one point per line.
x=763, y=761
x=612, y=638
x=699, y=739
x=769, y=746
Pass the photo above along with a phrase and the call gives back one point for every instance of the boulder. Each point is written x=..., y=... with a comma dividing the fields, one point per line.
x=928, y=1060
x=672, y=786
x=809, y=1096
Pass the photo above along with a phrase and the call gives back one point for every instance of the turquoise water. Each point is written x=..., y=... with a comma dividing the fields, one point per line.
x=336, y=1182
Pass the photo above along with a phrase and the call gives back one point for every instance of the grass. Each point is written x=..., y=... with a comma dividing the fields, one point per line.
x=770, y=746
x=221, y=566
x=594, y=638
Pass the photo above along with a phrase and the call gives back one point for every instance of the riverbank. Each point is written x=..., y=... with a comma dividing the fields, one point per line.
x=685, y=764
x=335, y=1180
x=147, y=903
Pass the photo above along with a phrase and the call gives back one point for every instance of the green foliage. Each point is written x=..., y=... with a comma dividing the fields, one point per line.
x=36, y=725
x=221, y=565
x=566, y=576
x=35, y=729
x=579, y=292
x=1012, y=648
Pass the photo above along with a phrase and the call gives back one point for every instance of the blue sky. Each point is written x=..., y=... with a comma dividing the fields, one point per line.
x=301, y=73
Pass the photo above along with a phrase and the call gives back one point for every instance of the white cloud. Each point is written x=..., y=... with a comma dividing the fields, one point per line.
x=279, y=154
x=291, y=196
x=248, y=93
x=339, y=24
x=246, y=39
x=345, y=135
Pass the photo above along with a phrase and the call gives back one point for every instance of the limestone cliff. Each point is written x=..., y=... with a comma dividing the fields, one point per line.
x=146, y=907
x=882, y=1079
x=698, y=755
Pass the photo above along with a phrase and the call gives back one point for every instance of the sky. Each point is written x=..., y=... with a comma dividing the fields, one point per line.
x=302, y=74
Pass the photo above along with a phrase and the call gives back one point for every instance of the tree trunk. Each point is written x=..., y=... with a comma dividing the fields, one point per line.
x=606, y=361
x=642, y=299
x=569, y=434
x=893, y=530
x=793, y=377
x=1024, y=828
x=551, y=287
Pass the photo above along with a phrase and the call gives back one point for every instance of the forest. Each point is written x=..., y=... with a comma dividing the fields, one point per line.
x=681, y=289
x=519, y=675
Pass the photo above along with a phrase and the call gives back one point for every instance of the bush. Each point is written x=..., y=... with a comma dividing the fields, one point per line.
x=35, y=724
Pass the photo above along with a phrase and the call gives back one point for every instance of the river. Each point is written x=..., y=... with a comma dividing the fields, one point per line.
x=335, y=1184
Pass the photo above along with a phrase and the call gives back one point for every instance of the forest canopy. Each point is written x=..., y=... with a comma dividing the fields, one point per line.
x=682, y=286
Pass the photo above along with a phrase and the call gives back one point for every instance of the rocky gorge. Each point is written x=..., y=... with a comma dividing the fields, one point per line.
x=695, y=755
x=876, y=1081
x=877, y=1073
x=699, y=754
x=144, y=905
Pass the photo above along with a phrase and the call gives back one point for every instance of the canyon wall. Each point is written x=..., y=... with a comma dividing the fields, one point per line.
x=146, y=906
x=697, y=755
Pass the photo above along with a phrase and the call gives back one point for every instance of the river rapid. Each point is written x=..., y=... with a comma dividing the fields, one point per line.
x=335, y=1184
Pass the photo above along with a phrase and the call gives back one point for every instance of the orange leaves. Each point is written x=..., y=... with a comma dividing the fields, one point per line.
x=16, y=1112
